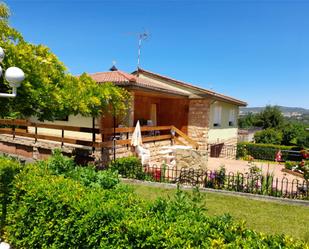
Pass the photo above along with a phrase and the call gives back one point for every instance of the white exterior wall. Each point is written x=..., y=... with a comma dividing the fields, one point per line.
x=77, y=121
x=221, y=135
x=224, y=132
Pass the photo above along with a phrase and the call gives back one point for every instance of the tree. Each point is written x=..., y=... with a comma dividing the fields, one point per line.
x=292, y=132
x=270, y=117
x=248, y=121
x=268, y=136
x=48, y=91
x=303, y=141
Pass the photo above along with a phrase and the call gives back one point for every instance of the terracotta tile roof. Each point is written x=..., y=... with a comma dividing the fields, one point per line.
x=167, y=85
x=113, y=76
x=190, y=86
x=122, y=78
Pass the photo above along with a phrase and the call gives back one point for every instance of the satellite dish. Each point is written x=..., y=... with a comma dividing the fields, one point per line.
x=14, y=76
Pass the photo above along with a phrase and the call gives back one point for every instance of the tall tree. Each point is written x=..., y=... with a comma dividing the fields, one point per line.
x=271, y=117
x=48, y=91
x=248, y=121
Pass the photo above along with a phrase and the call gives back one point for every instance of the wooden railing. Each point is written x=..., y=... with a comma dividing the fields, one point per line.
x=189, y=140
x=13, y=123
x=15, y=127
x=125, y=131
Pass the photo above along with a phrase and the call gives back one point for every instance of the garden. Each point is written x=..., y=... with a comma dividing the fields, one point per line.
x=294, y=159
x=57, y=204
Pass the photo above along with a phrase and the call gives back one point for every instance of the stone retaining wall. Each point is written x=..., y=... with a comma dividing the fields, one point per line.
x=125, y=151
x=196, y=159
x=27, y=148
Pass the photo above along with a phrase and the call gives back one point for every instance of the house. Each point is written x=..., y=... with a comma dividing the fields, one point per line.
x=205, y=116
x=247, y=135
x=170, y=111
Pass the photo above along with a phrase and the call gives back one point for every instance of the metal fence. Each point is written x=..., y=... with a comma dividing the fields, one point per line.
x=263, y=153
x=239, y=182
x=222, y=150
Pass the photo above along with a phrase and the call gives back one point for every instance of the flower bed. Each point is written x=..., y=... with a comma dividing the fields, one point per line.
x=298, y=168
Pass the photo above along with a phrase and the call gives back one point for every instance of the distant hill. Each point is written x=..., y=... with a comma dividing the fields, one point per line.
x=286, y=111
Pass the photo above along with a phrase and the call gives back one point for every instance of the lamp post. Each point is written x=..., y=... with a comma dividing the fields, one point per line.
x=13, y=75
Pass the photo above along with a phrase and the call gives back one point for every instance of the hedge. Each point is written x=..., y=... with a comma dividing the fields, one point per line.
x=129, y=167
x=8, y=169
x=58, y=209
x=268, y=151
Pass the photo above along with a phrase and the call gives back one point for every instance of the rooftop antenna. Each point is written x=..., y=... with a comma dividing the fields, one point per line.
x=141, y=37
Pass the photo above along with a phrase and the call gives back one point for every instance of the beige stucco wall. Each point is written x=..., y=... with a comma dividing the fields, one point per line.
x=77, y=121
x=224, y=132
x=221, y=135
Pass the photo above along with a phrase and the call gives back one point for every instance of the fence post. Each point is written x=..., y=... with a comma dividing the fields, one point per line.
x=35, y=133
x=62, y=137
x=13, y=129
x=93, y=134
x=127, y=139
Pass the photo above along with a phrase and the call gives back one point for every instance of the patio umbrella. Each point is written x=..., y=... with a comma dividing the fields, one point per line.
x=136, y=139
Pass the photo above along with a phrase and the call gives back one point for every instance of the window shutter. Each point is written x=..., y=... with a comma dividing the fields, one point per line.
x=217, y=115
x=232, y=118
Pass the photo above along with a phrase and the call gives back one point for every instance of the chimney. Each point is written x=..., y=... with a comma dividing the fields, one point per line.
x=113, y=68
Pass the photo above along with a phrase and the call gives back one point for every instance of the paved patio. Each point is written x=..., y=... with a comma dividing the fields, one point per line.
x=241, y=166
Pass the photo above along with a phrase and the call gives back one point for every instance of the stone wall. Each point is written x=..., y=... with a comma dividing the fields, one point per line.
x=27, y=148
x=196, y=159
x=125, y=151
x=198, y=121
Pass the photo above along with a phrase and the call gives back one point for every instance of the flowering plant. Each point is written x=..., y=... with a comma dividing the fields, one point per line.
x=305, y=154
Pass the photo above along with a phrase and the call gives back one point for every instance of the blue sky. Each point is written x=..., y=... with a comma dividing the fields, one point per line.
x=257, y=51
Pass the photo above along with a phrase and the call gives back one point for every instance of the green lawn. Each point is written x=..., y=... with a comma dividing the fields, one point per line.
x=265, y=216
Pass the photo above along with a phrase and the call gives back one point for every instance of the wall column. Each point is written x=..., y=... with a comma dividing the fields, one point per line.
x=198, y=121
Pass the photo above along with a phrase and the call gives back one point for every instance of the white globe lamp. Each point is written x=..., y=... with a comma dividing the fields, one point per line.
x=14, y=76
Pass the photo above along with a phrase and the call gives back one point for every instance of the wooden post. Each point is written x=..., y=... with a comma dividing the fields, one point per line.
x=93, y=133
x=13, y=129
x=62, y=137
x=35, y=133
x=114, y=137
x=127, y=139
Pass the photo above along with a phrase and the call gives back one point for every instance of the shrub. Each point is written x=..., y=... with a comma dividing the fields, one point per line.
x=59, y=164
x=130, y=167
x=268, y=136
x=51, y=211
x=289, y=165
x=303, y=141
x=9, y=168
x=88, y=176
x=267, y=151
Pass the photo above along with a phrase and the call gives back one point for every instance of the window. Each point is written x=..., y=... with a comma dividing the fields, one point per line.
x=217, y=116
x=232, y=118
